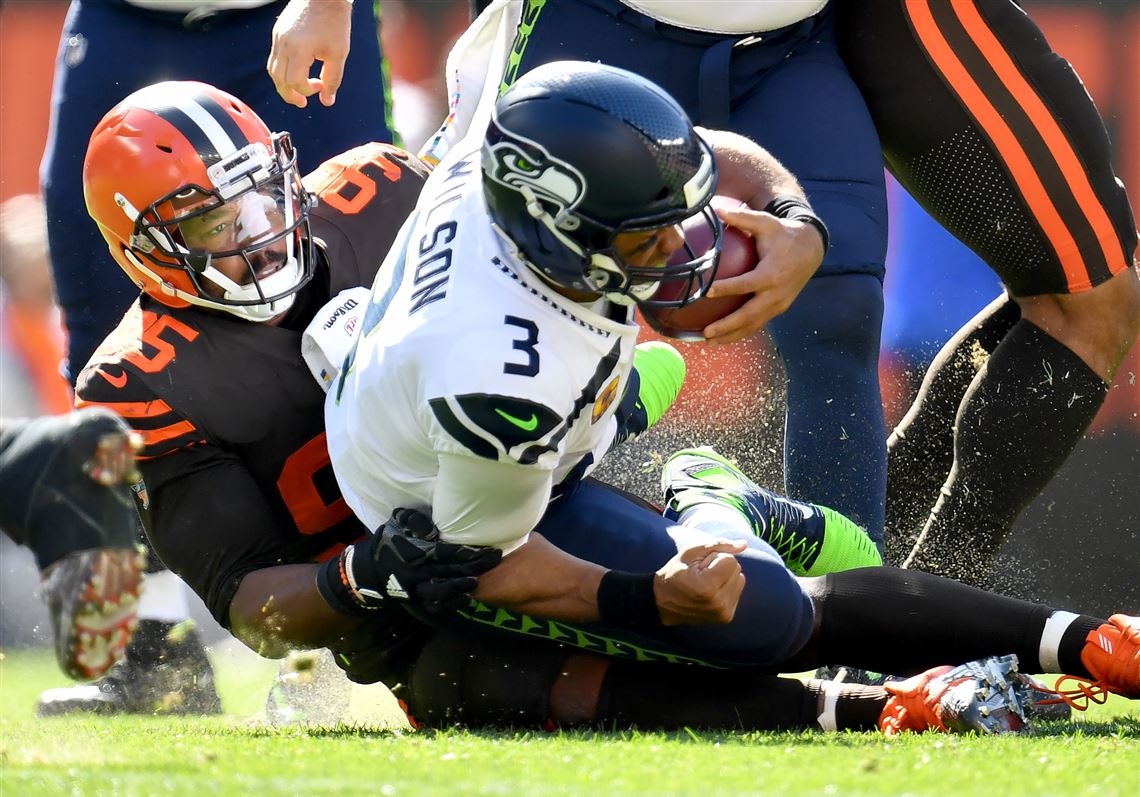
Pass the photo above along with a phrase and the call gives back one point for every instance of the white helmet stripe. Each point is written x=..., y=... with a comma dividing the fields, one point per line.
x=206, y=125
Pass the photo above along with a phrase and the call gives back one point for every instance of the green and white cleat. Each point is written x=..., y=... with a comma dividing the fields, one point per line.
x=658, y=374
x=812, y=540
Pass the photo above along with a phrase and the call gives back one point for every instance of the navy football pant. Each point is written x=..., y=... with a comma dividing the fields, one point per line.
x=109, y=49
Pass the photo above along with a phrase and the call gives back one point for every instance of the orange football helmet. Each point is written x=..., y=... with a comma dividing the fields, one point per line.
x=199, y=202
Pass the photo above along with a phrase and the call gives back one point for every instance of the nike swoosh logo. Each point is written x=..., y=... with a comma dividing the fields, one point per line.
x=117, y=382
x=526, y=426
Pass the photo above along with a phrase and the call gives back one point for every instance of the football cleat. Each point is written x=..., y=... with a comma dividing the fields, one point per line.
x=165, y=671
x=656, y=380
x=1112, y=655
x=812, y=540
x=985, y=696
x=92, y=597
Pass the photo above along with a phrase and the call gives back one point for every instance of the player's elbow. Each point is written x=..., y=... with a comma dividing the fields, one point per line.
x=259, y=631
x=255, y=621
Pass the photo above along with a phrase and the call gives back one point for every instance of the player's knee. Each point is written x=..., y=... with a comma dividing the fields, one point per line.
x=798, y=620
x=461, y=681
x=1124, y=290
x=1100, y=325
x=775, y=617
x=834, y=324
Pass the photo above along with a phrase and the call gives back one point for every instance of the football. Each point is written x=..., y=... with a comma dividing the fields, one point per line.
x=737, y=256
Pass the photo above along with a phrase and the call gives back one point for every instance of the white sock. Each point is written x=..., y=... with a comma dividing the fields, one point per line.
x=163, y=598
x=826, y=720
x=1055, y=627
x=717, y=520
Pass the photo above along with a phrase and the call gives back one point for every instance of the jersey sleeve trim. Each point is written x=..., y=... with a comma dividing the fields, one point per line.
x=157, y=440
x=131, y=409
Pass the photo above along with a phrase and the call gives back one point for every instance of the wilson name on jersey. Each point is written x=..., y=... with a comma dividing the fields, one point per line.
x=464, y=350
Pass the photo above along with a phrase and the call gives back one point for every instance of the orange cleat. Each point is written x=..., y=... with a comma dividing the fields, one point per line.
x=1112, y=655
x=986, y=696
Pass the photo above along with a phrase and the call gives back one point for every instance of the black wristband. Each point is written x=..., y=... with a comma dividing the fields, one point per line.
x=332, y=583
x=626, y=600
x=793, y=207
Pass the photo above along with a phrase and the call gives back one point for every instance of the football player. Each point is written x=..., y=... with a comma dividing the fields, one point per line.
x=932, y=84
x=479, y=388
x=937, y=82
x=201, y=205
x=502, y=331
x=205, y=211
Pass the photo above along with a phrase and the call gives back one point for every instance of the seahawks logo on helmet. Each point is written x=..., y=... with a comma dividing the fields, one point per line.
x=547, y=179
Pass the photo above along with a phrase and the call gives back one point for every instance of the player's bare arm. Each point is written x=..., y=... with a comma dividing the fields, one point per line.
x=480, y=502
x=277, y=609
x=700, y=585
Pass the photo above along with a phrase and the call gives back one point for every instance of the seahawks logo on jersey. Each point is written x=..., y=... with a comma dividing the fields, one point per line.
x=488, y=424
x=537, y=174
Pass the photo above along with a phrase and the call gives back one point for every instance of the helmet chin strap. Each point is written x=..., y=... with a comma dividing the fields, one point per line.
x=278, y=282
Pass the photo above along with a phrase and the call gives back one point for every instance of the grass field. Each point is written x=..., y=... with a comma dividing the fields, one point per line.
x=237, y=755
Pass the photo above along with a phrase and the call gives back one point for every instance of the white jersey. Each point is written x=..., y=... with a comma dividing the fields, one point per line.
x=474, y=388
x=728, y=16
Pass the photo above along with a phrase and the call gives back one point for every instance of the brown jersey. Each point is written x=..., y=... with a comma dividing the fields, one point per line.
x=236, y=472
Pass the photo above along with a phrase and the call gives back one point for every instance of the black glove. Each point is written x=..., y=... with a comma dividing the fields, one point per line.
x=404, y=560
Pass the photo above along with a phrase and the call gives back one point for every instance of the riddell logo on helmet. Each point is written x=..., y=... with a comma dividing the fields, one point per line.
x=340, y=311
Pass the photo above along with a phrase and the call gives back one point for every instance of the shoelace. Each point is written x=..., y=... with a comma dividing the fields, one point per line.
x=1080, y=695
x=793, y=550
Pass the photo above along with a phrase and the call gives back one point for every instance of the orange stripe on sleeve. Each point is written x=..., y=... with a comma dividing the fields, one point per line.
x=130, y=409
x=153, y=437
x=1010, y=151
x=1055, y=139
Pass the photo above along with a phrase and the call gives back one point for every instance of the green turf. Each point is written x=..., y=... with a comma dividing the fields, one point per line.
x=235, y=755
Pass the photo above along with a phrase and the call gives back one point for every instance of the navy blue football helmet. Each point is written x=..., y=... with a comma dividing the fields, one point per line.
x=577, y=153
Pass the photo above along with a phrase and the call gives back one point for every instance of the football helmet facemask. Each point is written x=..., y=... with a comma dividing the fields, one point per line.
x=199, y=202
x=578, y=153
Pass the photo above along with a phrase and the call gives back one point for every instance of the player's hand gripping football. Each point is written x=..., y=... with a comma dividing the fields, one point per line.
x=790, y=252
x=701, y=585
x=406, y=560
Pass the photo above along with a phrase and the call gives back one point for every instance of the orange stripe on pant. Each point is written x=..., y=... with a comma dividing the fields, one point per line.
x=1008, y=148
x=1042, y=119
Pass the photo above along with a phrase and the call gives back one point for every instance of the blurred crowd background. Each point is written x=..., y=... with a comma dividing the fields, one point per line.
x=1079, y=543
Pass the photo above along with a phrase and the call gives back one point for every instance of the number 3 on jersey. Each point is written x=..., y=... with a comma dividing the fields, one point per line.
x=526, y=345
